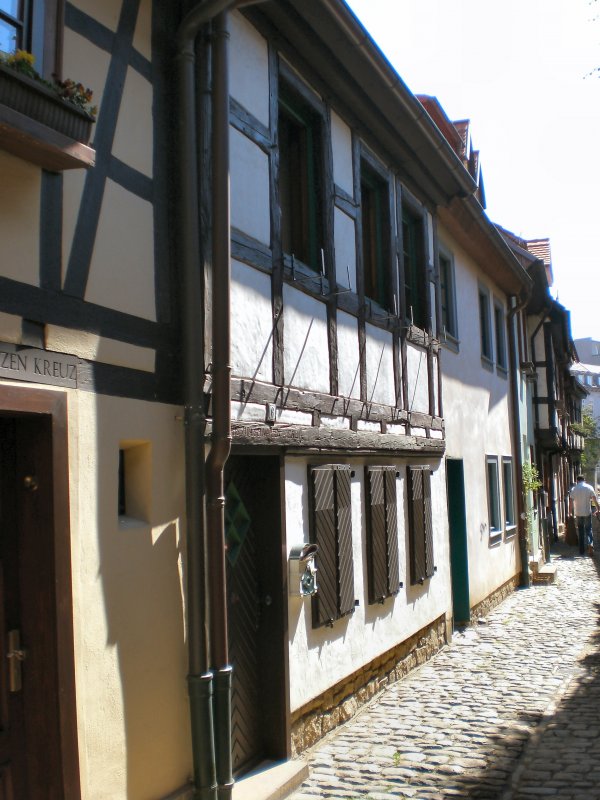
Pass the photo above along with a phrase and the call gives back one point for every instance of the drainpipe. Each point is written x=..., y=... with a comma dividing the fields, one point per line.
x=515, y=416
x=205, y=548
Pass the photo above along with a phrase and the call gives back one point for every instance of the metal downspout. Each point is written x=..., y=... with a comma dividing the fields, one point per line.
x=221, y=404
x=212, y=765
x=515, y=416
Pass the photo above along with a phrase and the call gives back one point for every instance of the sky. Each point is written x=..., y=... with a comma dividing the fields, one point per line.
x=523, y=72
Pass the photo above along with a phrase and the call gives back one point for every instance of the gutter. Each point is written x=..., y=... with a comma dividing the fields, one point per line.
x=209, y=672
x=515, y=417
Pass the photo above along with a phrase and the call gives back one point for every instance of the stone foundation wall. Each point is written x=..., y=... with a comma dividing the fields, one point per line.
x=483, y=608
x=341, y=702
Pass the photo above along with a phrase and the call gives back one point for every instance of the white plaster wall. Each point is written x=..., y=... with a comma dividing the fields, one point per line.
x=477, y=419
x=122, y=266
x=348, y=355
x=249, y=177
x=380, y=366
x=133, y=143
x=130, y=656
x=306, y=360
x=416, y=374
x=345, y=249
x=327, y=655
x=19, y=219
x=249, y=67
x=86, y=63
x=341, y=142
x=251, y=323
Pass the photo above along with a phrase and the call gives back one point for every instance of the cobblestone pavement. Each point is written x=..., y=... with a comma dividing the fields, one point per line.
x=510, y=710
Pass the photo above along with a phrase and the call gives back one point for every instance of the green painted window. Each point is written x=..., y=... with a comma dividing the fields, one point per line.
x=414, y=269
x=448, y=297
x=485, y=325
x=509, y=492
x=300, y=179
x=374, y=193
x=493, y=488
x=500, y=332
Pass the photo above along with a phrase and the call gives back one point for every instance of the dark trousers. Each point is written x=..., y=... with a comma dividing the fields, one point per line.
x=584, y=530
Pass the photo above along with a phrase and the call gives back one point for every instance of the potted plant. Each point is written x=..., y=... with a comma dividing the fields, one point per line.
x=64, y=106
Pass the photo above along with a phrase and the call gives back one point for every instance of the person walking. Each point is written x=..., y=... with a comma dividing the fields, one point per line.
x=581, y=497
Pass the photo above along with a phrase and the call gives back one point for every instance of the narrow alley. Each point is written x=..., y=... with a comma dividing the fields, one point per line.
x=509, y=711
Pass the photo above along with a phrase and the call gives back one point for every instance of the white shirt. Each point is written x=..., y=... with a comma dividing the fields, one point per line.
x=582, y=494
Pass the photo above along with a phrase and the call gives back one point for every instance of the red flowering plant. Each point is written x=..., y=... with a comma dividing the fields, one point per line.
x=71, y=92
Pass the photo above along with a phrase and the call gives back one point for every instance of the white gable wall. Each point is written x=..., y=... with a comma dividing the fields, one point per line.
x=477, y=419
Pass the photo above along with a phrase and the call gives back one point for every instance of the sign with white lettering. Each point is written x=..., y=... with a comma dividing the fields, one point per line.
x=38, y=366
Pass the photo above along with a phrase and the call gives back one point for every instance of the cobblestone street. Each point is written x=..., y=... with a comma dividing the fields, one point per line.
x=509, y=711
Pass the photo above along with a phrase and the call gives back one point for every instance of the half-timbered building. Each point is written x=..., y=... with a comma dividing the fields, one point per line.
x=221, y=329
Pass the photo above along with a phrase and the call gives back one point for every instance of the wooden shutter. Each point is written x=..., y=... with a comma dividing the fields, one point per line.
x=382, y=534
x=428, y=524
x=420, y=524
x=331, y=530
x=344, y=530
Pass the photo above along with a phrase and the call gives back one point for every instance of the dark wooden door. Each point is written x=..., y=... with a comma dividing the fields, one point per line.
x=256, y=609
x=459, y=558
x=30, y=755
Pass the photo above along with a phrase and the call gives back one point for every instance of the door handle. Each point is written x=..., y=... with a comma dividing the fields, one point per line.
x=15, y=655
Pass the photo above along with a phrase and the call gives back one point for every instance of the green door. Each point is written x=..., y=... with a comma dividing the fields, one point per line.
x=459, y=558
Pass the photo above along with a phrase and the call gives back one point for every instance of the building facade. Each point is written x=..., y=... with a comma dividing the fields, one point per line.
x=206, y=394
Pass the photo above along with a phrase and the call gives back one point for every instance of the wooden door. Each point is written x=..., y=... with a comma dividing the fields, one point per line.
x=256, y=611
x=459, y=559
x=30, y=752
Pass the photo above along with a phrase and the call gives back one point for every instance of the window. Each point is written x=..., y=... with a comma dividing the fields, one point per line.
x=509, y=493
x=420, y=524
x=30, y=25
x=448, y=297
x=500, y=331
x=414, y=268
x=331, y=530
x=484, y=324
x=382, y=533
x=134, y=495
x=375, y=205
x=493, y=490
x=300, y=179
x=13, y=32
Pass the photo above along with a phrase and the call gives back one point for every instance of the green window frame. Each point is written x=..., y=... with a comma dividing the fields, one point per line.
x=500, y=335
x=414, y=268
x=487, y=352
x=448, y=296
x=300, y=179
x=375, y=215
x=493, y=493
x=509, y=493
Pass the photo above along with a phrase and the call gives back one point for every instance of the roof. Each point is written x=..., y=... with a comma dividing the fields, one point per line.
x=540, y=248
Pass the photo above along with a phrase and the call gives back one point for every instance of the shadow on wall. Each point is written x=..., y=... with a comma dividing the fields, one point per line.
x=140, y=571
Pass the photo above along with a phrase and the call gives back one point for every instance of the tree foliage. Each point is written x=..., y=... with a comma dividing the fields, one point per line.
x=588, y=428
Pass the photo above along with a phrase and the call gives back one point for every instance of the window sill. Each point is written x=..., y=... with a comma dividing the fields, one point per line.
x=495, y=538
x=511, y=532
x=39, y=144
x=450, y=343
x=502, y=372
x=487, y=363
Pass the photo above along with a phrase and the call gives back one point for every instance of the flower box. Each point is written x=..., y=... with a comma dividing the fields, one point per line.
x=33, y=99
x=39, y=126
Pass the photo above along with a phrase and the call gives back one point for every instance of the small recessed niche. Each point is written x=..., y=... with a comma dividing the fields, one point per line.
x=135, y=482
